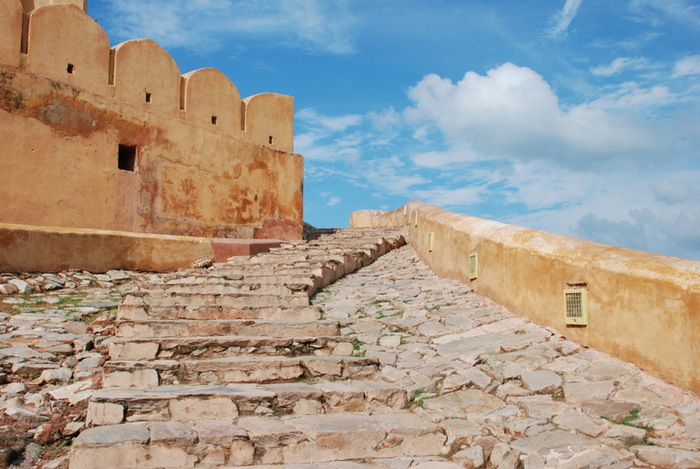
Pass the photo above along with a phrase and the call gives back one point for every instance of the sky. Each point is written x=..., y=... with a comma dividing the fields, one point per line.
x=578, y=117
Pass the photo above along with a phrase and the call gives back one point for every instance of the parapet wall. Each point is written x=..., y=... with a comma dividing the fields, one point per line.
x=117, y=139
x=643, y=308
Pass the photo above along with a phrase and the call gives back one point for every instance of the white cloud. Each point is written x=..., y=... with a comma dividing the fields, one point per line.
x=681, y=11
x=674, y=192
x=512, y=112
x=451, y=197
x=389, y=174
x=630, y=96
x=620, y=65
x=332, y=201
x=327, y=138
x=203, y=25
x=336, y=124
x=440, y=159
x=564, y=18
x=687, y=66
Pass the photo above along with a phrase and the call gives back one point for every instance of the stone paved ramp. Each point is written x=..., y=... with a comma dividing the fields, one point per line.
x=388, y=367
x=231, y=366
x=508, y=393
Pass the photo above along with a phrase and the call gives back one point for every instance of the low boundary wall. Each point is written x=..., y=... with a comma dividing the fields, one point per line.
x=27, y=248
x=643, y=308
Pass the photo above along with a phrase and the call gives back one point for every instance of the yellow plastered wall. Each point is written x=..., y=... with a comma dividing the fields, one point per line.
x=68, y=46
x=212, y=100
x=643, y=308
x=270, y=120
x=73, y=107
x=11, y=31
x=143, y=74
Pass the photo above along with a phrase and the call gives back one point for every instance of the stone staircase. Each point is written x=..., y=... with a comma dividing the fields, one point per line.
x=230, y=367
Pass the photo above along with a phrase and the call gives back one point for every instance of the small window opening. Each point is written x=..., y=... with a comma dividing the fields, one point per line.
x=70, y=68
x=149, y=97
x=214, y=120
x=473, y=266
x=576, y=304
x=127, y=158
x=270, y=140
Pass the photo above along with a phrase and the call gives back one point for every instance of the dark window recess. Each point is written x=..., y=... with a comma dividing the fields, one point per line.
x=127, y=158
x=270, y=140
x=148, y=97
x=70, y=68
x=214, y=120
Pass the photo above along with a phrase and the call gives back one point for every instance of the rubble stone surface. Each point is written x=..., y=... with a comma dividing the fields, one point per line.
x=232, y=366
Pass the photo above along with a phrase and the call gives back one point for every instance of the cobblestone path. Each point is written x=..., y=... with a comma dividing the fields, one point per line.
x=507, y=392
x=233, y=366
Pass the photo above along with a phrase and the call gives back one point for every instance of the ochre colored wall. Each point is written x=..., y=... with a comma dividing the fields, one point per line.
x=643, y=308
x=69, y=102
x=50, y=249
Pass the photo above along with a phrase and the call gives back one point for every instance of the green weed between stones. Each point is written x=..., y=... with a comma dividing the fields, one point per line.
x=415, y=398
x=627, y=420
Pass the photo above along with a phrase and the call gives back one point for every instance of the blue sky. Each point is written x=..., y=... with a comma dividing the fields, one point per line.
x=578, y=117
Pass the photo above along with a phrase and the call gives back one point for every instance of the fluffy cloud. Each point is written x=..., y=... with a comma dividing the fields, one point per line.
x=504, y=146
x=512, y=112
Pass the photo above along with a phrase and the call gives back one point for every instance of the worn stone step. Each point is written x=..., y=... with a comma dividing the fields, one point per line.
x=256, y=440
x=249, y=369
x=430, y=462
x=186, y=403
x=231, y=288
x=279, y=312
x=248, y=299
x=301, y=278
x=282, y=284
x=152, y=348
x=212, y=327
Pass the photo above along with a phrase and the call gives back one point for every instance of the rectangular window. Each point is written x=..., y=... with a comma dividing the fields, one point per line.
x=127, y=158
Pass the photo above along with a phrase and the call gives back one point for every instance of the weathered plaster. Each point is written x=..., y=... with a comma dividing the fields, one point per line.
x=69, y=102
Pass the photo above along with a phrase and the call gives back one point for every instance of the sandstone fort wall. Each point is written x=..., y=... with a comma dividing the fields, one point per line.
x=642, y=307
x=116, y=138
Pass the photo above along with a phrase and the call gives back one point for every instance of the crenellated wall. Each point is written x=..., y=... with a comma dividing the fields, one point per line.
x=115, y=138
x=642, y=307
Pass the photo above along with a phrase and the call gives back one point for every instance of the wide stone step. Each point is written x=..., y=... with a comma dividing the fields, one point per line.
x=280, y=312
x=249, y=277
x=160, y=348
x=228, y=327
x=263, y=369
x=248, y=299
x=232, y=288
x=186, y=403
x=420, y=462
x=249, y=441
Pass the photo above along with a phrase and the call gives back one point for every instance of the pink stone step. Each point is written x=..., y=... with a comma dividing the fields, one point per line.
x=226, y=327
x=184, y=403
x=246, y=369
x=249, y=441
x=280, y=312
x=152, y=348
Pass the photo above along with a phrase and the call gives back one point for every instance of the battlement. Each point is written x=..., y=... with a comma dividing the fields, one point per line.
x=63, y=43
x=116, y=138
